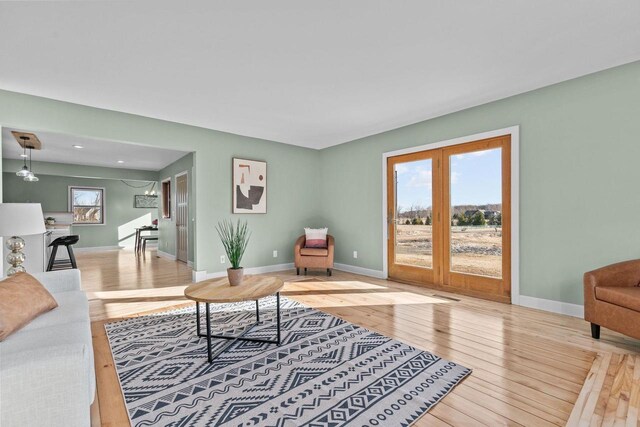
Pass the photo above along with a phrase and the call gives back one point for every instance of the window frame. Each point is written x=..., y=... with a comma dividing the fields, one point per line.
x=165, y=201
x=103, y=210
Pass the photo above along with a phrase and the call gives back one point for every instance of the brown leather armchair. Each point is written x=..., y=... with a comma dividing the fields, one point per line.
x=612, y=298
x=313, y=257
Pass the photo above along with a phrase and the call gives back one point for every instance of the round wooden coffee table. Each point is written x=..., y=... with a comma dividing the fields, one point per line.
x=219, y=291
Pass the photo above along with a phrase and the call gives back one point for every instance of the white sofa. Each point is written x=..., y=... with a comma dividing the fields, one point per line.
x=47, y=375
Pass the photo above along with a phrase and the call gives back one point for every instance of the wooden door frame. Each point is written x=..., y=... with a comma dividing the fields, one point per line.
x=183, y=173
x=498, y=289
x=514, y=132
x=411, y=273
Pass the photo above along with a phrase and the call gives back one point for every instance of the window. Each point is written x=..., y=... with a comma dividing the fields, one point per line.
x=87, y=205
x=166, y=198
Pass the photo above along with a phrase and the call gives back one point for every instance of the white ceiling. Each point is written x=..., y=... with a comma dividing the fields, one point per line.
x=313, y=74
x=58, y=148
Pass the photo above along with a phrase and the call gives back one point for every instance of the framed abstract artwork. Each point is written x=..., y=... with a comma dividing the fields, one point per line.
x=145, y=202
x=249, y=186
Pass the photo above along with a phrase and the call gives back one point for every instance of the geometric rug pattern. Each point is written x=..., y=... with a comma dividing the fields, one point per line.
x=326, y=372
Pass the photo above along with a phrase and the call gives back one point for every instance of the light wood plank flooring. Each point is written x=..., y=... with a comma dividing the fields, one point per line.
x=529, y=367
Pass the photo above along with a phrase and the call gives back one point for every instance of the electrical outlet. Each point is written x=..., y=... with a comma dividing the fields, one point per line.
x=275, y=254
x=355, y=254
x=221, y=259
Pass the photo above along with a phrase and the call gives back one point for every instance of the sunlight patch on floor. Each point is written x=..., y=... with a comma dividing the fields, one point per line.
x=367, y=299
x=170, y=291
x=321, y=285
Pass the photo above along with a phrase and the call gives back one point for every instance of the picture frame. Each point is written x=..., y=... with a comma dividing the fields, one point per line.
x=143, y=201
x=249, y=186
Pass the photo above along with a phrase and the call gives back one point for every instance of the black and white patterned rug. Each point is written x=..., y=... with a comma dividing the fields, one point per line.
x=326, y=372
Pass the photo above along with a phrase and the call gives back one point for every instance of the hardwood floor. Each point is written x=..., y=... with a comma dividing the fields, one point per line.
x=529, y=367
x=119, y=284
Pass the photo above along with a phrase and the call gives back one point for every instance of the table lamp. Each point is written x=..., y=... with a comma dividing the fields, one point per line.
x=19, y=219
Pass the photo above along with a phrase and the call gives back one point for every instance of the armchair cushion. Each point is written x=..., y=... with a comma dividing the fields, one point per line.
x=314, y=252
x=628, y=297
x=316, y=237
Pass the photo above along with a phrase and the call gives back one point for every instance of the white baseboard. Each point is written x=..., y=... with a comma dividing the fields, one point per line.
x=166, y=255
x=199, y=276
x=98, y=248
x=559, y=307
x=360, y=270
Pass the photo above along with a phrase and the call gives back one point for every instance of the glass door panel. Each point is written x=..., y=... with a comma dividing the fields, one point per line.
x=477, y=204
x=476, y=213
x=413, y=197
x=414, y=213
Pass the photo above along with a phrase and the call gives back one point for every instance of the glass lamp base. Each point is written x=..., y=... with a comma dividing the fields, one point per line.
x=13, y=270
x=15, y=258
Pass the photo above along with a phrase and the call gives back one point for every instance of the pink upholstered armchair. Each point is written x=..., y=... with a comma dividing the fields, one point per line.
x=313, y=257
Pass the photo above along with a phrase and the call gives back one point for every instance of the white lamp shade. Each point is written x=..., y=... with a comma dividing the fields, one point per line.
x=21, y=219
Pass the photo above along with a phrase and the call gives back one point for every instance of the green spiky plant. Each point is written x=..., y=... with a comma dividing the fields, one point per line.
x=234, y=239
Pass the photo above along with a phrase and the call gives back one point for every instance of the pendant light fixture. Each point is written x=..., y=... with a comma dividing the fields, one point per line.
x=152, y=192
x=30, y=175
x=25, y=170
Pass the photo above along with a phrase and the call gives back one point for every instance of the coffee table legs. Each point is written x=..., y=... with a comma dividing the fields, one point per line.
x=233, y=339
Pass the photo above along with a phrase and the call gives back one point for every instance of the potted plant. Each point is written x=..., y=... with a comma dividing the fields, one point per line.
x=50, y=220
x=235, y=240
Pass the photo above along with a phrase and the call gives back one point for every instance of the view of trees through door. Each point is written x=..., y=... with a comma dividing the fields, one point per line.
x=448, y=217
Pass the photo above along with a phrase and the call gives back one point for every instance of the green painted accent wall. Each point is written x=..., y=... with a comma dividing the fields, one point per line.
x=293, y=185
x=579, y=174
x=81, y=171
x=52, y=192
x=167, y=227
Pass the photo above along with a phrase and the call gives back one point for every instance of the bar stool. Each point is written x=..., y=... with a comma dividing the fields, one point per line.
x=63, y=264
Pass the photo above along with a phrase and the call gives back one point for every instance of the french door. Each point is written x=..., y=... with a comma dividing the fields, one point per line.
x=449, y=218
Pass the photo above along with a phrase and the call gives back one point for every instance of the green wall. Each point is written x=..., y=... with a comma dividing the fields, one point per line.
x=52, y=192
x=579, y=174
x=167, y=227
x=293, y=185
x=81, y=171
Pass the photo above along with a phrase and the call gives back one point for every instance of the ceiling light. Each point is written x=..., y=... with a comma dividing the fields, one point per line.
x=77, y=146
x=120, y=161
x=30, y=176
x=24, y=171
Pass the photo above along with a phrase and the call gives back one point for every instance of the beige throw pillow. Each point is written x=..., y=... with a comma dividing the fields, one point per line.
x=316, y=237
x=22, y=299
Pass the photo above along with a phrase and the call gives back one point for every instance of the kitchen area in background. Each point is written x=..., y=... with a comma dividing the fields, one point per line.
x=97, y=195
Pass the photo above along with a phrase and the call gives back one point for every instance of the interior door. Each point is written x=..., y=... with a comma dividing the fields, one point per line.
x=449, y=218
x=182, y=217
x=414, y=227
